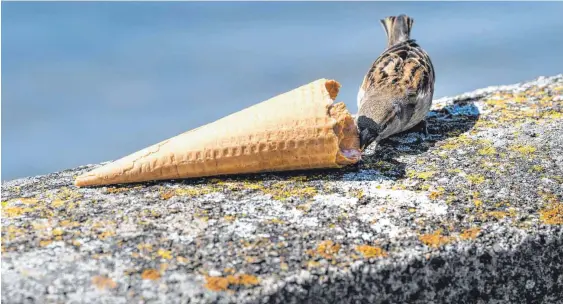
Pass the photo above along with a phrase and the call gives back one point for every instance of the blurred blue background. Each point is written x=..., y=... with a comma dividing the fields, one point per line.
x=90, y=82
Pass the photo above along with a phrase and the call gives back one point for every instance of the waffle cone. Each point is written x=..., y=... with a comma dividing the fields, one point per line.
x=300, y=129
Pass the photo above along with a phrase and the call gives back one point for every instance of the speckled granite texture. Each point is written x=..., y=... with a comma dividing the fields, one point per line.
x=471, y=214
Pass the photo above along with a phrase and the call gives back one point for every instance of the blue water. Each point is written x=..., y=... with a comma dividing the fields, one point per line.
x=89, y=82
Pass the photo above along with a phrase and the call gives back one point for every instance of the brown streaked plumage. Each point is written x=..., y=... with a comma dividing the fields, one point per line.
x=396, y=93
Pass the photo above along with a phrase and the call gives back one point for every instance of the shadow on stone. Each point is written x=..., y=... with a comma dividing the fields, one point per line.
x=448, y=121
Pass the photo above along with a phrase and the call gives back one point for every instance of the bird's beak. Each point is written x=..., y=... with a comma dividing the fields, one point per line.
x=366, y=138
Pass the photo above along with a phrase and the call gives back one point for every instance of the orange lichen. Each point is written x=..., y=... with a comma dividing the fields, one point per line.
x=434, y=195
x=223, y=283
x=470, y=234
x=435, y=239
x=104, y=235
x=370, y=251
x=216, y=283
x=167, y=195
x=247, y=280
x=150, y=274
x=552, y=215
x=327, y=249
x=44, y=243
x=102, y=282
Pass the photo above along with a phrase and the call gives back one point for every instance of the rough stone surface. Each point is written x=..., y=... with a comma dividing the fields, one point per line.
x=472, y=213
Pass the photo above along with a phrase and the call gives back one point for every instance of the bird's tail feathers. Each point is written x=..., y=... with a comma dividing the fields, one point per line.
x=397, y=28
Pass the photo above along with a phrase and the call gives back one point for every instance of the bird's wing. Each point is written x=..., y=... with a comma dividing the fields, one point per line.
x=400, y=70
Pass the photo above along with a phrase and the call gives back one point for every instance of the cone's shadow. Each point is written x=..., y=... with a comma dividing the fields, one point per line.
x=443, y=123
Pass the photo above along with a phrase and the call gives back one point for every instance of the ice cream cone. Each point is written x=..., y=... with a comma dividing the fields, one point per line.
x=300, y=129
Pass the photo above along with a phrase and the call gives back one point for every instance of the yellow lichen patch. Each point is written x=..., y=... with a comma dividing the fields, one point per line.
x=422, y=175
x=165, y=254
x=44, y=243
x=58, y=231
x=14, y=211
x=13, y=232
x=67, y=194
x=276, y=221
x=223, y=283
x=371, y=251
x=523, y=149
x=28, y=200
x=150, y=274
x=470, y=234
x=121, y=189
x=102, y=282
x=300, y=178
x=251, y=185
x=487, y=151
x=67, y=223
x=229, y=218
x=497, y=104
x=144, y=247
x=537, y=168
x=57, y=203
x=499, y=215
x=478, y=203
x=475, y=179
x=283, y=190
x=357, y=193
x=450, y=145
x=552, y=215
x=553, y=114
x=435, y=239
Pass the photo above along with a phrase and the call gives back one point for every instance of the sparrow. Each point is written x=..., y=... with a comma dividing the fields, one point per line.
x=396, y=93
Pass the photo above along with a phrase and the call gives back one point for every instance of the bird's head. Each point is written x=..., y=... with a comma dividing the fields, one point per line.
x=368, y=130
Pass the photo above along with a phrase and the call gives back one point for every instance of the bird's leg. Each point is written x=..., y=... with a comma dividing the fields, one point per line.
x=425, y=123
x=422, y=127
